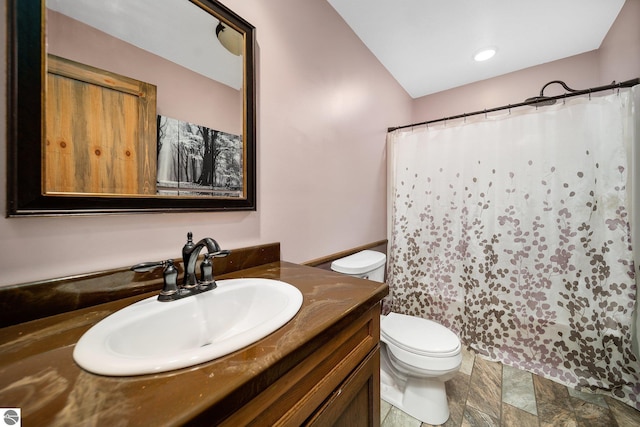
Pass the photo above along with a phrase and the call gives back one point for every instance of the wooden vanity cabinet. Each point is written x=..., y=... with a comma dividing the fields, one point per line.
x=357, y=401
x=338, y=384
x=322, y=368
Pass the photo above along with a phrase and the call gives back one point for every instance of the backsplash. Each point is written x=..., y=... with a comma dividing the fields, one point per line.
x=35, y=300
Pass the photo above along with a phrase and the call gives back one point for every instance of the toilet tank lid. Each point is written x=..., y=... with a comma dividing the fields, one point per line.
x=360, y=262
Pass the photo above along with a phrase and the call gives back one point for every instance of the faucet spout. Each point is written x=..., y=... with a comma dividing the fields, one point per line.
x=190, y=253
x=212, y=245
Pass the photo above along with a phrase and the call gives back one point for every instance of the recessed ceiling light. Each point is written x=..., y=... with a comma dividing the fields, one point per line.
x=484, y=54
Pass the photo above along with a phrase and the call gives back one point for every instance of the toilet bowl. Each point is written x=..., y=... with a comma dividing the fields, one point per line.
x=417, y=355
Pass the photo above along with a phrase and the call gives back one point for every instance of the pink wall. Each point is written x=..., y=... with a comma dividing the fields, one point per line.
x=620, y=50
x=617, y=59
x=324, y=103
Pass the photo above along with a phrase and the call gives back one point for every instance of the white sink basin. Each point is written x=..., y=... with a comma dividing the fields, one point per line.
x=152, y=336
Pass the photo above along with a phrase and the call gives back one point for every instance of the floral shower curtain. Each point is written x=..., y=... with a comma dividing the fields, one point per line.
x=515, y=232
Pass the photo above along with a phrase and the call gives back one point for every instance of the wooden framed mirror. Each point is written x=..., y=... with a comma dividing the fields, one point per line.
x=149, y=115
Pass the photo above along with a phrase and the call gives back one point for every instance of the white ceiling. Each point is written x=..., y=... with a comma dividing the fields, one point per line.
x=428, y=45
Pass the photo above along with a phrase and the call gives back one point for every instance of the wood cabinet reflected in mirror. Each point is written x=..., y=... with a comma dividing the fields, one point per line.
x=100, y=133
x=112, y=108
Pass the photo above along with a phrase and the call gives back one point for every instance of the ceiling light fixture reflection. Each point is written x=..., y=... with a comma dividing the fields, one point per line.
x=230, y=39
x=484, y=54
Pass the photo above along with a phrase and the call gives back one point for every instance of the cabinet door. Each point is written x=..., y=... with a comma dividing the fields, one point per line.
x=342, y=366
x=356, y=402
x=100, y=132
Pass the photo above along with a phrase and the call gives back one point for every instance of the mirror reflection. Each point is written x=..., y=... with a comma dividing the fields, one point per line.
x=143, y=99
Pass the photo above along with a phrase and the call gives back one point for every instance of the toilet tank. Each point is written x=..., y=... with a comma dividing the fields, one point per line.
x=364, y=264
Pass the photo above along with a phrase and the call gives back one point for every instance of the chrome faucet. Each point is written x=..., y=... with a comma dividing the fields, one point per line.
x=171, y=291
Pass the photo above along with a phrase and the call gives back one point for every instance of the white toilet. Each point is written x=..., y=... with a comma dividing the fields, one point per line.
x=417, y=355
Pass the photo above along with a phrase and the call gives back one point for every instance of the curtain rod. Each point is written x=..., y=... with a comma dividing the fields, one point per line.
x=531, y=101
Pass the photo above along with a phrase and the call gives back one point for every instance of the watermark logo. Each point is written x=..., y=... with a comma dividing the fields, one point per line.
x=10, y=417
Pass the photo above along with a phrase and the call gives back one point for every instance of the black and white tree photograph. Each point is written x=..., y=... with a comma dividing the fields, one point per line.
x=195, y=160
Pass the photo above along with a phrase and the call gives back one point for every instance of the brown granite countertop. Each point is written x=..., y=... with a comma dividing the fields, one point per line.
x=38, y=374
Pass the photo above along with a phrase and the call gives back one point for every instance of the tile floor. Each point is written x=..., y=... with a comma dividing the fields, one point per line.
x=490, y=394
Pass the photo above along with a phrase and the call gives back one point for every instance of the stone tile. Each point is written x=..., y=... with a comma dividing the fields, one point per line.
x=451, y=422
x=550, y=415
x=385, y=407
x=625, y=415
x=591, y=415
x=457, y=392
x=397, y=418
x=554, y=404
x=477, y=400
x=458, y=388
x=550, y=393
x=475, y=418
x=485, y=388
x=515, y=417
x=517, y=389
x=598, y=399
x=468, y=357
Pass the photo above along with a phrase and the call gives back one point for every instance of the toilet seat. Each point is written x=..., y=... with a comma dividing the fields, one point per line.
x=419, y=336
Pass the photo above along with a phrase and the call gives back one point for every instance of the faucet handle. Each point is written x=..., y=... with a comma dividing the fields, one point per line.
x=170, y=276
x=206, y=274
x=207, y=281
x=170, y=287
x=221, y=253
x=143, y=267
